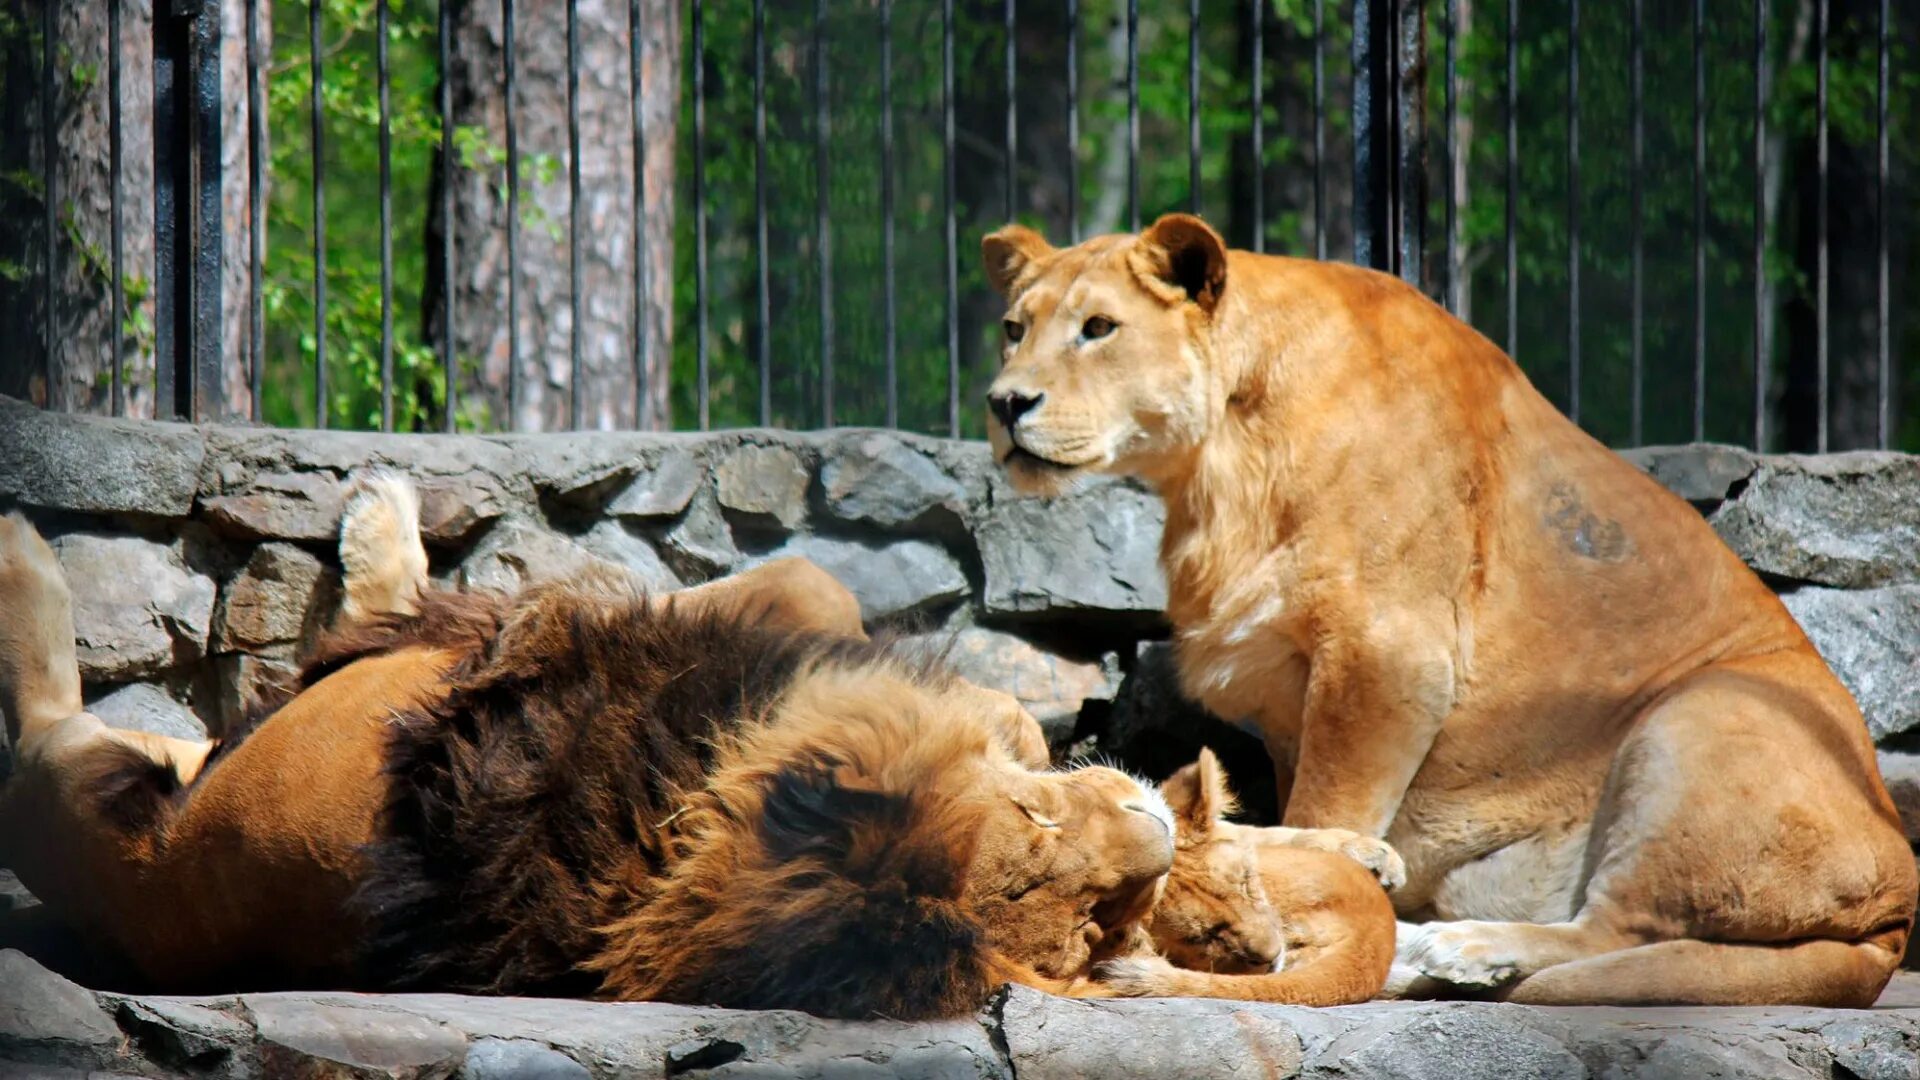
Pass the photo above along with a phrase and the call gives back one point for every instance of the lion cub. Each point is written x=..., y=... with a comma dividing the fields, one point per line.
x=1295, y=916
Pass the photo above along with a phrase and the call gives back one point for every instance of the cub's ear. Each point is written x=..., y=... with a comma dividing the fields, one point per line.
x=1198, y=795
x=1180, y=254
x=1009, y=253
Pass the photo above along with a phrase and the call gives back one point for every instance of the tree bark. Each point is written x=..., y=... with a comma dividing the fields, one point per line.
x=543, y=285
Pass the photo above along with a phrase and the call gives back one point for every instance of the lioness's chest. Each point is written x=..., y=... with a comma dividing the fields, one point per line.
x=1238, y=647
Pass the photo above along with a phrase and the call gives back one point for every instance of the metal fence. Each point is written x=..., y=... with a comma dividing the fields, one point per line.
x=1396, y=160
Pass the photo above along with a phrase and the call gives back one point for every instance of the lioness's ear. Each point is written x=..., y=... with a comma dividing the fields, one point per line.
x=1009, y=253
x=1181, y=252
x=1198, y=794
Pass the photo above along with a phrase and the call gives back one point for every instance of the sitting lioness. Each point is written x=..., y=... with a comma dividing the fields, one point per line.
x=1615, y=767
x=722, y=796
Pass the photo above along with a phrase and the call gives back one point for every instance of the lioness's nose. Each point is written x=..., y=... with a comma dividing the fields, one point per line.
x=1010, y=406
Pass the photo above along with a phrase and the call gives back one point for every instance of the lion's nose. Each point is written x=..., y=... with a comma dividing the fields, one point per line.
x=1009, y=407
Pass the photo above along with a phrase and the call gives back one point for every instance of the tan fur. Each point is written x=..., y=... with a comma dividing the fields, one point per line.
x=1462, y=624
x=384, y=565
x=1257, y=914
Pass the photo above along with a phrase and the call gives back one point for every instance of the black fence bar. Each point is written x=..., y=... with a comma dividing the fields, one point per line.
x=1637, y=374
x=1133, y=115
x=642, y=255
x=952, y=231
x=386, y=220
x=1451, y=283
x=318, y=106
x=1820, y=269
x=763, y=304
x=702, y=357
x=257, y=165
x=1513, y=179
x=576, y=384
x=1372, y=145
x=1699, y=221
x=822, y=197
x=1759, y=224
x=889, y=298
x=448, y=371
x=170, y=176
x=1410, y=139
x=1319, y=130
x=116, y=238
x=1073, y=120
x=1193, y=105
x=1259, y=128
x=1573, y=210
x=1881, y=310
x=513, y=216
x=49, y=138
x=1012, y=147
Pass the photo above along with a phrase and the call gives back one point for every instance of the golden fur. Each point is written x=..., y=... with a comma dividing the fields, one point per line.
x=1616, y=769
x=720, y=796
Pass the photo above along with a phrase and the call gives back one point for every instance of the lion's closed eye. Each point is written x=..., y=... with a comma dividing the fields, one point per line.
x=1036, y=816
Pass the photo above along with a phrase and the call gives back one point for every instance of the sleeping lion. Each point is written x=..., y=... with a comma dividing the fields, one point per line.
x=721, y=796
x=1615, y=767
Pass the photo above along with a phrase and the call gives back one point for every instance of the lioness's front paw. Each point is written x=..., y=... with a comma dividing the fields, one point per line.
x=1143, y=976
x=1371, y=852
x=1463, y=954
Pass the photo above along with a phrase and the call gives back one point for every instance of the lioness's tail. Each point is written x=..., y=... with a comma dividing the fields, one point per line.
x=386, y=567
x=1820, y=972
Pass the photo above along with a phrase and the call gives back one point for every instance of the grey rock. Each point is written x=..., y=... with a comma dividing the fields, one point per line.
x=275, y=600
x=700, y=545
x=1434, y=1046
x=1871, y=639
x=516, y=552
x=96, y=465
x=281, y=505
x=519, y=1059
x=242, y=679
x=769, y=481
x=662, y=490
x=321, y=1038
x=610, y=540
x=1701, y=473
x=903, y=577
x=13, y=895
x=878, y=478
x=146, y=707
x=1901, y=773
x=450, y=514
x=137, y=608
x=1846, y=520
x=1053, y=688
x=1094, y=552
x=43, y=1017
x=1050, y=1037
x=1154, y=728
x=579, y=468
x=1865, y=1049
x=181, y=1034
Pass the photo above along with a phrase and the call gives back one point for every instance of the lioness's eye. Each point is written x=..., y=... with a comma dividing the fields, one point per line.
x=1015, y=329
x=1096, y=328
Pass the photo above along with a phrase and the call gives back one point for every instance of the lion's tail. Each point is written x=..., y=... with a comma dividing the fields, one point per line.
x=1819, y=972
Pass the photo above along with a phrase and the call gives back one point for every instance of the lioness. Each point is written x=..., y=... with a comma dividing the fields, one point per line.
x=1465, y=626
x=721, y=796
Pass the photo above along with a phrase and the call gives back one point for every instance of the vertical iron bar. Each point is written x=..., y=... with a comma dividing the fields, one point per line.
x=1319, y=129
x=1513, y=179
x=1133, y=115
x=953, y=266
x=314, y=10
x=1820, y=286
x=704, y=373
x=1193, y=105
x=1409, y=81
x=386, y=221
x=448, y=372
x=577, y=406
x=1636, y=422
x=513, y=220
x=1881, y=309
x=890, y=300
x=209, y=396
x=1373, y=68
x=1699, y=221
x=1573, y=211
x=49, y=29
x=1073, y=120
x=118, y=314
x=642, y=253
x=1759, y=224
x=823, y=226
x=1453, y=159
x=1012, y=134
x=763, y=307
x=1259, y=8
x=256, y=213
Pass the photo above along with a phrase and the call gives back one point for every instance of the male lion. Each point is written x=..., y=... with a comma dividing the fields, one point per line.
x=1465, y=626
x=723, y=796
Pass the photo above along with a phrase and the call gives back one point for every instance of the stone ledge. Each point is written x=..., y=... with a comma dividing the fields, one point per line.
x=49, y=1026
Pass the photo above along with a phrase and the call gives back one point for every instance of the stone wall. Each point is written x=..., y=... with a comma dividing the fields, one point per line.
x=202, y=558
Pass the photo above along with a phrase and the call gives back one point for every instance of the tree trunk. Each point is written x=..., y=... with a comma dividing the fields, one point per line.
x=543, y=286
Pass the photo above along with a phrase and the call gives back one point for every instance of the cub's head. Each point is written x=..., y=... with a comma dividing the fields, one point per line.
x=1213, y=914
x=1106, y=350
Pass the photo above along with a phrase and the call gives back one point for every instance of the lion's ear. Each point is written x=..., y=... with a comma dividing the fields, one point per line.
x=1183, y=253
x=1008, y=253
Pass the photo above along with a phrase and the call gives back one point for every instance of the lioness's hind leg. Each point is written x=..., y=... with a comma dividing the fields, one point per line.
x=380, y=550
x=788, y=594
x=39, y=672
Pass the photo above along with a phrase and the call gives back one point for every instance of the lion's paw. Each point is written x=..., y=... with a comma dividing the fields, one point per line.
x=1462, y=954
